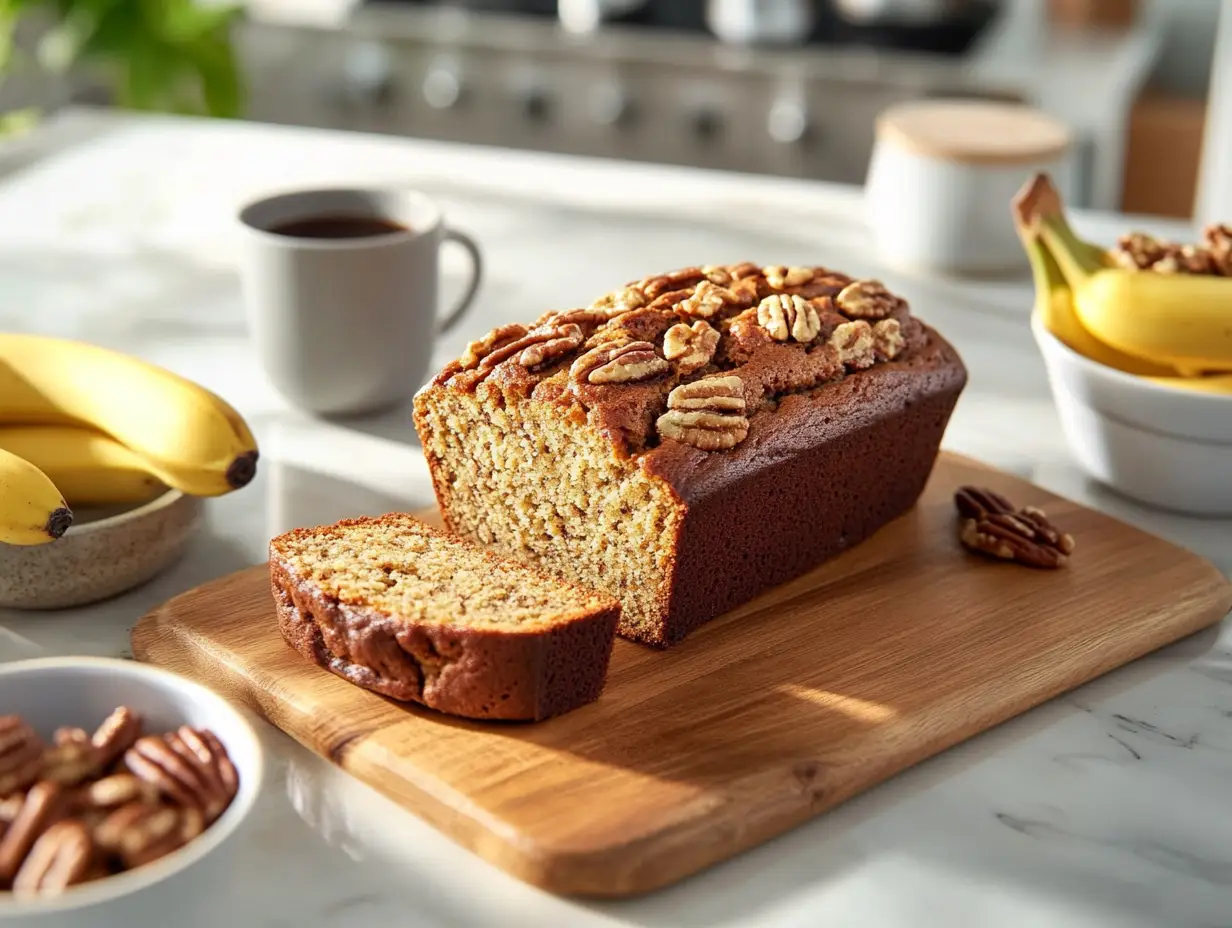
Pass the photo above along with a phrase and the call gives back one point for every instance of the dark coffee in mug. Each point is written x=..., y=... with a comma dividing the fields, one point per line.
x=339, y=227
x=341, y=290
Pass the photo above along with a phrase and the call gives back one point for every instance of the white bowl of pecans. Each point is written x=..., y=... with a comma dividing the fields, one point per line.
x=114, y=777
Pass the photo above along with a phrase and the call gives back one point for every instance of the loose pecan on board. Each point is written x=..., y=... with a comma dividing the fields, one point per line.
x=994, y=527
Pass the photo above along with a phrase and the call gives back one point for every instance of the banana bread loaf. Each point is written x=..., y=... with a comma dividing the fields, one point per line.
x=397, y=607
x=693, y=438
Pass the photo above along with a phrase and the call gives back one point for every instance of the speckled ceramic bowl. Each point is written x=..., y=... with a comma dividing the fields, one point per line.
x=103, y=554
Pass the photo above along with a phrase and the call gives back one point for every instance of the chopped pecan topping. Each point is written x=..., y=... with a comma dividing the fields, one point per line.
x=555, y=343
x=629, y=363
x=586, y=318
x=1186, y=259
x=855, y=344
x=620, y=301
x=676, y=280
x=779, y=277
x=788, y=317
x=707, y=300
x=668, y=302
x=702, y=320
x=994, y=527
x=41, y=807
x=189, y=766
x=1137, y=250
x=888, y=340
x=1219, y=243
x=690, y=346
x=865, y=299
x=498, y=338
x=21, y=755
x=61, y=857
x=708, y=414
x=532, y=347
x=1142, y=252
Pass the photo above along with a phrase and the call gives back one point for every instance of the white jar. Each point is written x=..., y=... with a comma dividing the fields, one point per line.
x=941, y=180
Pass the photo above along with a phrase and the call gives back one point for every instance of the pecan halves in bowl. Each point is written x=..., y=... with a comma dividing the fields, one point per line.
x=117, y=733
x=72, y=759
x=21, y=755
x=63, y=856
x=189, y=766
x=140, y=832
x=42, y=806
x=995, y=527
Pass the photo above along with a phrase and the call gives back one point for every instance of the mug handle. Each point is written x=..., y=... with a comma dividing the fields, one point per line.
x=451, y=318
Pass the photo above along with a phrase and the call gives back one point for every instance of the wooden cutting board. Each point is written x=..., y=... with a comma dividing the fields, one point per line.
x=767, y=717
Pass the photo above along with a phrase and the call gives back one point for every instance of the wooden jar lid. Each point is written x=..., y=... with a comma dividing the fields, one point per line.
x=974, y=131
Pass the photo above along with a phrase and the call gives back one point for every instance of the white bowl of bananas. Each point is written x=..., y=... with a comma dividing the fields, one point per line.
x=1137, y=342
x=104, y=460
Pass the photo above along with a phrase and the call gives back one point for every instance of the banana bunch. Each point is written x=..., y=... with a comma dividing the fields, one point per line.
x=83, y=425
x=1172, y=329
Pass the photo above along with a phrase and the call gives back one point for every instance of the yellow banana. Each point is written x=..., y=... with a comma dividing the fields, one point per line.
x=88, y=467
x=1054, y=304
x=1180, y=320
x=32, y=511
x=189, y=438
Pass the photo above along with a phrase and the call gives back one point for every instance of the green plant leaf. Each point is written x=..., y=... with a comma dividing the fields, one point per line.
x=19, y=122
x=188, y=20
x=7, y=24
x=221, y=84
x=148, y=75
x=159, y=54
x=62, y=46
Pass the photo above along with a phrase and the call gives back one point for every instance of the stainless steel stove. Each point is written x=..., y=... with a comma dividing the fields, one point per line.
x=786, y=87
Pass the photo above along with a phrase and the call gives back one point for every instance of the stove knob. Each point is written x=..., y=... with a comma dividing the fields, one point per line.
x=788, y=122
x=706, y=121
x=535, y=103
x=442, y=87
x=369, y=74
x=610, y=105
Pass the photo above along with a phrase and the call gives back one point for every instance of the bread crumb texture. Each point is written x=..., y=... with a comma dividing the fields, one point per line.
x=568, y=504
x=401, y=567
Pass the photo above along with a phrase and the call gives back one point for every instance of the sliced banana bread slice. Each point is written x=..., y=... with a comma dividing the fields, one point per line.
x=410, y=612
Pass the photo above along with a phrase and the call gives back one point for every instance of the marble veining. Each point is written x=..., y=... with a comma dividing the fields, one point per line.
x=1109, y=807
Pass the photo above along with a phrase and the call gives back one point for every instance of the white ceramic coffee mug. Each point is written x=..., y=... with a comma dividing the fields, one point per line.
x=345, y=323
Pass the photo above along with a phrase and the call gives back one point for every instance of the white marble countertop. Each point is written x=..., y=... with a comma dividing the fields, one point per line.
x=1107, y=807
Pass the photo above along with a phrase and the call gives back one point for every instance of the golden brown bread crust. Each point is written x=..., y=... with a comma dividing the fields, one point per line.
x=824, y=408
x=474, y=672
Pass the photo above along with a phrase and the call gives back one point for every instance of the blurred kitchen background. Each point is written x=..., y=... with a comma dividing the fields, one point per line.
x=780, y=87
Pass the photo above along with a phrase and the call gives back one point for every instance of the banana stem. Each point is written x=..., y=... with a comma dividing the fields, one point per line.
x=1068, y=251
x=1039, y=211
x=1045, y=272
